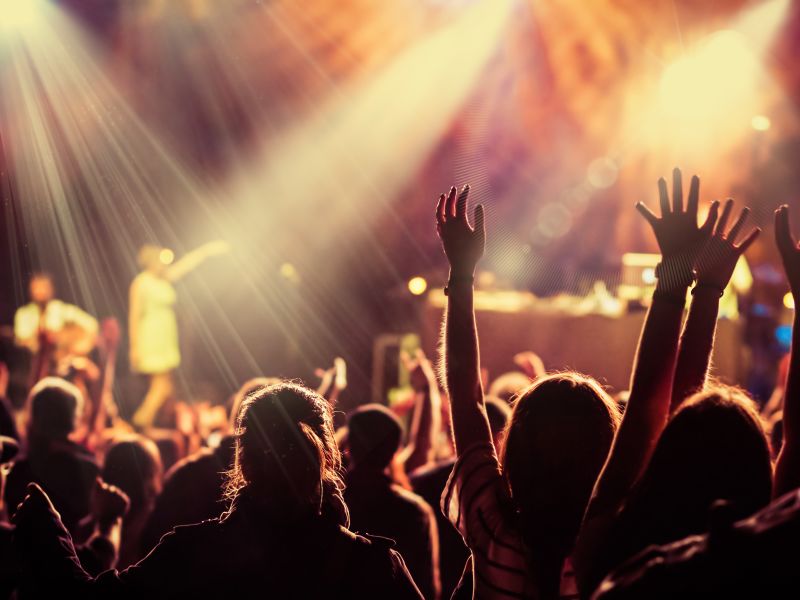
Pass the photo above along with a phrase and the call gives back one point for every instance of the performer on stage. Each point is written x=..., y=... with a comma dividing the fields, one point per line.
x=152, y=325
x=64, y=327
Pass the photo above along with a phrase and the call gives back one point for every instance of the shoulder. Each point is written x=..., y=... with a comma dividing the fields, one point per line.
x=190, y=536
x=377, y=567
x=200, y=460
x=26, y=310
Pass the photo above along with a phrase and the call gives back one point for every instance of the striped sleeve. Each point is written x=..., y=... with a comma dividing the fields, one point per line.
x=470, y=500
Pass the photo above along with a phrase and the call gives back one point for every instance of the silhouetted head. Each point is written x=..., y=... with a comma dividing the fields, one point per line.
x=557, y=440
x=55, y=405
x=374, y=436
x=153, y=258
x=287, y=462
x=247, y=388
x=713, y=448
x=133, y=464
x=41, y=288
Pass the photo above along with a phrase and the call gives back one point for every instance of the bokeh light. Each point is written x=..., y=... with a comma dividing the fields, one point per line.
x=602, y=173
x=166, y=256
x=417, y=285
x=761, y=122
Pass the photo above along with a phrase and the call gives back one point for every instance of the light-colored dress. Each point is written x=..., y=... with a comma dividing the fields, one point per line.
x=157, y=340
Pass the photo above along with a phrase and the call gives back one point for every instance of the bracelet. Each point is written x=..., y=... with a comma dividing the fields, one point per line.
x=456, y=280
x=708, y=286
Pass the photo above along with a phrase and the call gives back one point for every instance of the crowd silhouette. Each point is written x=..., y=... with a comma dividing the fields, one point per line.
x=548, y=487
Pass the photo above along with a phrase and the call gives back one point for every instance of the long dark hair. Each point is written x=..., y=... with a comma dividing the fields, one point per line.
x=713, y=448
x=286, y=456
x=556, y=442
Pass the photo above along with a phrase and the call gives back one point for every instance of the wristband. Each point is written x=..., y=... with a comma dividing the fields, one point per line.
x=457, y=280
x=708, y=286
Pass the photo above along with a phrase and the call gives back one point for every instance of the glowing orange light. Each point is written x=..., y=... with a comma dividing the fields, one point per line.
x=417, y=285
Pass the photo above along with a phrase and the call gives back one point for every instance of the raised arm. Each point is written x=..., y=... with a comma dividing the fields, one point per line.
x=426, y=416
x=464, y=246
x=193, y=259
x=787, y=469
x=714, y=270
x=679, y=239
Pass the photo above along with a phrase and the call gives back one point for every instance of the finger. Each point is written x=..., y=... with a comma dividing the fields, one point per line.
x=450, y=209
x=723, y=219
x=783, y=231
x=737, y=227
x=677, y=190
x=646, y=213
x=440, y=210
x=746, y=242
x=478, y=216
x=711, y=218
x=461, y=203
x=663, y=196
x=694, y=196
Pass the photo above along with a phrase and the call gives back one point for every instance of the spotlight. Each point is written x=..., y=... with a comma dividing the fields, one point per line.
x=718, y=73
x=417, y=285
x=760, y=122
x=18, y=14
x=788, y=301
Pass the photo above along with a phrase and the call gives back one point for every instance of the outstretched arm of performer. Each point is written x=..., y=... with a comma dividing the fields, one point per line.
x=195, y=258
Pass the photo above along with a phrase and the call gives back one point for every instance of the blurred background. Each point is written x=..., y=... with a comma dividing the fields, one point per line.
x=315, y=136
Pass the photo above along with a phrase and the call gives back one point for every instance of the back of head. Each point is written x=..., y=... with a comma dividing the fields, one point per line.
x=713, y=448
x=286, y=460
x=133, y=464
x=557, y=440
x=247, y=388
x=54, y=408
x=374, y=435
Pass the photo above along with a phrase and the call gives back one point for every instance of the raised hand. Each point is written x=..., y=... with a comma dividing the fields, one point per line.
x=35, y=509
x=420, y=369
x=463, y=244
x=788, y=249
x=719, y=256
x=677, y=232
x=108, y=502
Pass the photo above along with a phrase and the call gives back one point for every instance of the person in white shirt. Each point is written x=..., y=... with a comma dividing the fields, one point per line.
x=47, y=316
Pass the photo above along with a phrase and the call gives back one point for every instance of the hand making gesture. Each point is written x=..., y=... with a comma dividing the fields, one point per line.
x=718, y=259
x=463, y=244
x=679, y=238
